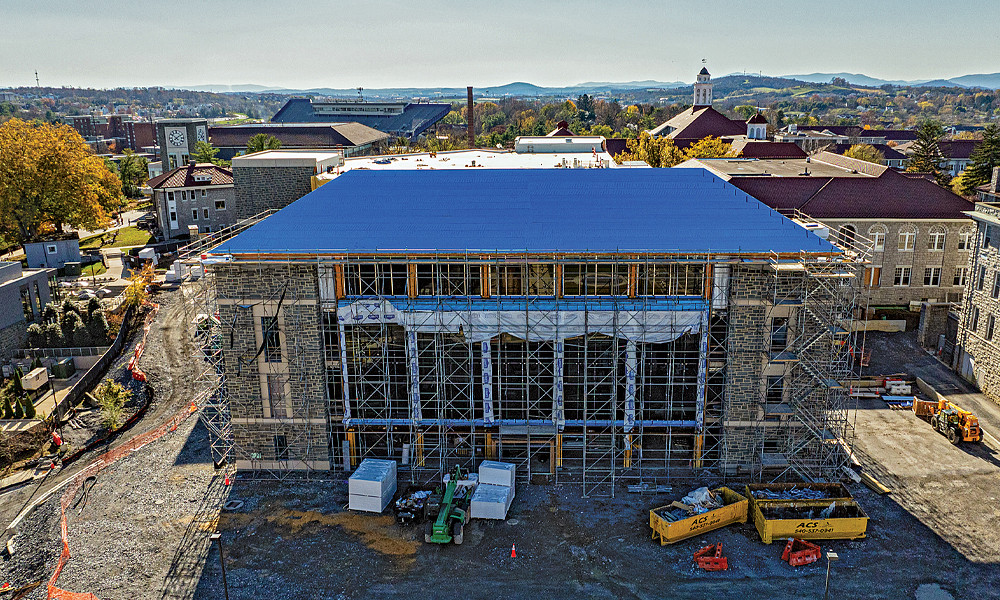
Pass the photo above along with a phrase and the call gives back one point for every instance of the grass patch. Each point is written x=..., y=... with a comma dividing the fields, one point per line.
x=127, y=236
x=93, y=270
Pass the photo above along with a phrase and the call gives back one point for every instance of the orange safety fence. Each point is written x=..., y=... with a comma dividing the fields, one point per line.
x=103, y=461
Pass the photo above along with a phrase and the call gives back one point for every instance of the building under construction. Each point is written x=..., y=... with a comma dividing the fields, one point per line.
x=600, y=327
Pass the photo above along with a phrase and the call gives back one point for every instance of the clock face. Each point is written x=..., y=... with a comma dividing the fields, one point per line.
x=176, y=137
x=201, y=135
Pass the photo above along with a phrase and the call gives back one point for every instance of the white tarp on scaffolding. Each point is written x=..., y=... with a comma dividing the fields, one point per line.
x=533, y=325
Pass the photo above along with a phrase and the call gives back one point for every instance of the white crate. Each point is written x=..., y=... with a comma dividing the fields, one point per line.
x=372, y=478
x=375, y=504
x=491, y=501
x=496, y=473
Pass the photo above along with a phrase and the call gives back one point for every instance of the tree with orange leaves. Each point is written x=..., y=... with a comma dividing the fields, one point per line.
x=49, y=178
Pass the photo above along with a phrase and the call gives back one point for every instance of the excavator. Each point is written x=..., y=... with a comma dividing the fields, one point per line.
x=952, y=421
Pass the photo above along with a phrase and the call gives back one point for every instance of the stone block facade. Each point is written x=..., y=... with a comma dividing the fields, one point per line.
x=977, y=355
x=921, y=255
x=262, y=188
x=278, y=403
x=12, y=338
x=280, y=399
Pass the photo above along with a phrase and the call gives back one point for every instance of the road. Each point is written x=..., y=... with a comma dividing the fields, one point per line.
x=953, y=490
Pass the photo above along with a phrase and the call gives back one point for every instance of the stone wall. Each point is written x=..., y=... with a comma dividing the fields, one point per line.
x=12, y=338
x=978, y=358
x=885, y=293
x=262, y=188
x=246, y=293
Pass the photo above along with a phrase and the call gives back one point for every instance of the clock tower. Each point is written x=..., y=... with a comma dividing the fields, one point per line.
x=177, y=137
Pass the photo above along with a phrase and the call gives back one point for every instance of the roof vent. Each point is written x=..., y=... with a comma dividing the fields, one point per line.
x=805, y=173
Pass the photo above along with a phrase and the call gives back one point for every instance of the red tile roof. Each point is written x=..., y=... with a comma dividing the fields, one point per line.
x=888, y=196
x=757, y=119
x=184, y=177
x=763, y=149
x=700, y=122
x=960, y=149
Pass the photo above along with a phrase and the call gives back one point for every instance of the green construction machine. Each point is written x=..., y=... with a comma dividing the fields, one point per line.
x=447, y=512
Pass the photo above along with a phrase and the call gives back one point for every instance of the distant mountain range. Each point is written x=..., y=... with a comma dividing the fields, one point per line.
x=984, y=80
x=517, y=88
x=520, y=88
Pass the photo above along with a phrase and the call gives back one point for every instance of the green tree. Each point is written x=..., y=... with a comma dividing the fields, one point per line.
x=655, y=151
x=262, y=141
x=112, y=397
x=134, y=172
x=6, y=409
x=866, y=152
x=745, y=111
x=709, y=147
x=927, y=157
x=205, y=152
x=29, y=408
x=984, y=159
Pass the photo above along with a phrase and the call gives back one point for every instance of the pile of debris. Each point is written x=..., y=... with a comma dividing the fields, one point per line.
x=698, y=502
x=793, y=493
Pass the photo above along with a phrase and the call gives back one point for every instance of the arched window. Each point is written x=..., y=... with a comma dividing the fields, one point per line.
x=936, y=238
x=847, y=234
x=876, y=233
x=907, y=238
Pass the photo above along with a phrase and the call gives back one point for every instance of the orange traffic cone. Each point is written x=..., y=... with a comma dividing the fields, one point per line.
x=513, y=551
x=226, y=480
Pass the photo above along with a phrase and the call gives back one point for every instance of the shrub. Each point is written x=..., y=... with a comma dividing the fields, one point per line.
x=6, y=410
x=97, y=327
x=53, y=336
x=80, y=335
x=50, y=314
x=29, y=408
x=68, y=323
x=68, y=306
x=18, y=410
x=111, y=397
x=93, y=307
x=36, y=335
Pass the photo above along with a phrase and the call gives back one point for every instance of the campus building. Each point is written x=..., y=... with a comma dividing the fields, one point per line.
x=977, y=355
x=593, y=326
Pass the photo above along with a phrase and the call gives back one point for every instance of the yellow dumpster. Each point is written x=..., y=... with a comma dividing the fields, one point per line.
x=826, y=491
x=734, y=511
x=780, y=519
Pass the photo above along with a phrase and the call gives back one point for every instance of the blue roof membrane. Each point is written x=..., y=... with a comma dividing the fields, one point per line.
x=526, y=210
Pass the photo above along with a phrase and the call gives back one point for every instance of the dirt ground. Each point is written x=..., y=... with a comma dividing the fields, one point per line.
x=144, y=533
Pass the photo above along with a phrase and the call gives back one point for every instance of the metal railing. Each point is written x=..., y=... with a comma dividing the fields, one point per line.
x=210, y=241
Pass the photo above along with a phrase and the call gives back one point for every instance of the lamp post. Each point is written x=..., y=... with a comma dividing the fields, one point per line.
x=217, y=537
x=830, y=557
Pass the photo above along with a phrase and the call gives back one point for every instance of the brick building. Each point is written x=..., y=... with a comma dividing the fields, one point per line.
x=592, y=326
x=195, y=194
x=920, y=232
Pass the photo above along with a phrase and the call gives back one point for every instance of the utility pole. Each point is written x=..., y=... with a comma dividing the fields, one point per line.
x=37, y=85
x=217, y=537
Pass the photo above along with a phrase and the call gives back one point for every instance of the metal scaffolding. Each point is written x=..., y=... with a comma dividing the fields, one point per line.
x=597, y=370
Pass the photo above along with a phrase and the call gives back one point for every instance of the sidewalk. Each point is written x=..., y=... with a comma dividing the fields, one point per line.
x=43, y=406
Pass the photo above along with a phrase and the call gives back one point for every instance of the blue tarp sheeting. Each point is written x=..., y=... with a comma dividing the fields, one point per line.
x=526, y=210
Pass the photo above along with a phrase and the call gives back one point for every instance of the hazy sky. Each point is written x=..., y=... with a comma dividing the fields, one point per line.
x=387, y=43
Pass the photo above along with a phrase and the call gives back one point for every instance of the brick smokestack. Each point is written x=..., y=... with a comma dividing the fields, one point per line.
x=471, y=119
